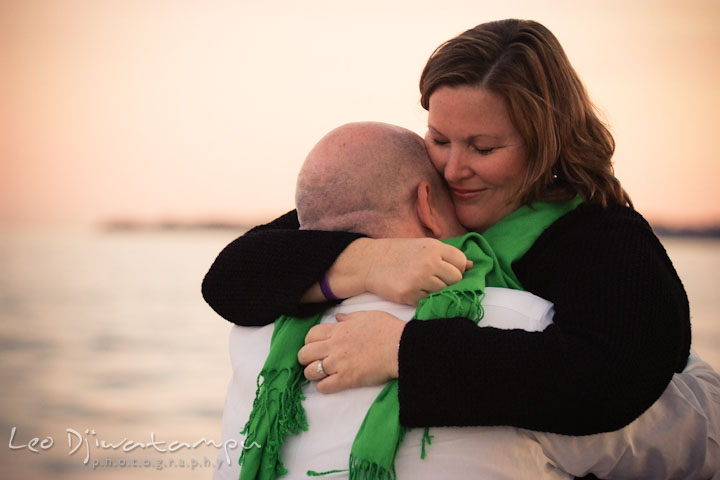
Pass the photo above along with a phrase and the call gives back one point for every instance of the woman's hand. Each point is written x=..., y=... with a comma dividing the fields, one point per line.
x=402, y=270
x=405, y=270
x=360, y=350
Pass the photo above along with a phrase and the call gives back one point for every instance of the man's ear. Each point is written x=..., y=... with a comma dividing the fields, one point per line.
x=426, y=213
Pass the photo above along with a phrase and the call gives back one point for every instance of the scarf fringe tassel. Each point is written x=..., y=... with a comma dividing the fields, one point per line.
x=465, y=303
x=366, y=470
x=290, y=418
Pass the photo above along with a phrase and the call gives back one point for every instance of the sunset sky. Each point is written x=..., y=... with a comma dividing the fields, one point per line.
x=195, y=109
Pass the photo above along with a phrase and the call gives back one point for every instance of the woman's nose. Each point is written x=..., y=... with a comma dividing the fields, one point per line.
x=457, y=166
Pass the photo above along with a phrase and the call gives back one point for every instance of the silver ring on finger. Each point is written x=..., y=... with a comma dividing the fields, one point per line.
x=320, y=369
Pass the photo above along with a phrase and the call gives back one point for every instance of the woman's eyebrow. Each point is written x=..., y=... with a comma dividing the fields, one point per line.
x=479, y=136
x=484, y=136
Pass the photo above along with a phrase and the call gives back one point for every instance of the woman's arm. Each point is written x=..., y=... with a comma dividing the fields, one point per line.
x=266, y=272
x=271, y=269
x=620, y=331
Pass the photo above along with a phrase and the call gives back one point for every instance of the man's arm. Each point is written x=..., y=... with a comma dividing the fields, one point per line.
x=677, y=437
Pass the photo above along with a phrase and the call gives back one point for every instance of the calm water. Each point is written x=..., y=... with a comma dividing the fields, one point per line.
x=106, y=343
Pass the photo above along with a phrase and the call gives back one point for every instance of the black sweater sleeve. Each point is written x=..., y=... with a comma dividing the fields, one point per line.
x=621, y=329
x=265, y=272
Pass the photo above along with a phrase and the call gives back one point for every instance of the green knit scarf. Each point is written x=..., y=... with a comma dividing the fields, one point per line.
x=277, y=410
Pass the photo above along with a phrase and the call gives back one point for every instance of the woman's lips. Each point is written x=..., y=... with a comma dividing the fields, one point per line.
x=466, y=194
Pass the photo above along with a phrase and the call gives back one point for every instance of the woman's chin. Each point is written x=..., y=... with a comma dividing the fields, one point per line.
x=473, y=220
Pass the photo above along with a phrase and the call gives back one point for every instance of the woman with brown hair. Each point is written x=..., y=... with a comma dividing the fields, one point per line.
x=511, y=128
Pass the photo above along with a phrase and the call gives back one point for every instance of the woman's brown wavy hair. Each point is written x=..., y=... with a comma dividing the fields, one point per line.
x=569, y=148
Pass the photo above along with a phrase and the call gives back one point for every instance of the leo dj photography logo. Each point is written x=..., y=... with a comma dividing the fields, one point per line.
x=88, y=444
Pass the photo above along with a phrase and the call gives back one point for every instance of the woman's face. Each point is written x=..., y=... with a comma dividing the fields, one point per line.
x=474, y=144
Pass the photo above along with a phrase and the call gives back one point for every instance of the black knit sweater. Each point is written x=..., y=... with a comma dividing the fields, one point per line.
x=621, y=326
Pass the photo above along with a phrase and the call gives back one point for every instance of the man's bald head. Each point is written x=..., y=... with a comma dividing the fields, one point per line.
x=363, y=177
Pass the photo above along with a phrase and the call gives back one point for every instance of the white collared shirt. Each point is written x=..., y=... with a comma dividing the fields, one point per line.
x=640, y=449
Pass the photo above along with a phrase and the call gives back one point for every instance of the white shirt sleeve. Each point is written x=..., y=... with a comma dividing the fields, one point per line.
x=677, y=437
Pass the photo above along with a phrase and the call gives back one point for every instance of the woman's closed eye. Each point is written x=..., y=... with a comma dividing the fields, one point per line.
x=485, y=150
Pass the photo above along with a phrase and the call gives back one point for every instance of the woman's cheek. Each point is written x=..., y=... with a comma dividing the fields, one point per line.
x=436, y=158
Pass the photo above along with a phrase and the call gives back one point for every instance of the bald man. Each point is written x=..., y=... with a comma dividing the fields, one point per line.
x=376, y=179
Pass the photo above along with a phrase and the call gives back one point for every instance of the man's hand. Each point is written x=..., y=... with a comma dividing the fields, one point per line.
x=360, y=350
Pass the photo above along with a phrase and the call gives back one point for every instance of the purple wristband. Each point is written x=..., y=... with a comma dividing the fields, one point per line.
x=325, y=289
